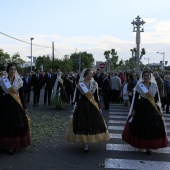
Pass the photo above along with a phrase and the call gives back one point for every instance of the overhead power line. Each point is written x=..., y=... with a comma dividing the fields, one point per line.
x=23, y=41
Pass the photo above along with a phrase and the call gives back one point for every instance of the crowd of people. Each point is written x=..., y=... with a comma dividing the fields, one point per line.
x=145, y=96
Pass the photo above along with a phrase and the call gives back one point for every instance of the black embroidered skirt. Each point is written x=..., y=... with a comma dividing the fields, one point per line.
x=87, y=124
x=147, y=129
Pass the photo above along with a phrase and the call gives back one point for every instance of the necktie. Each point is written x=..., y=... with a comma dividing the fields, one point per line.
x=49, y=76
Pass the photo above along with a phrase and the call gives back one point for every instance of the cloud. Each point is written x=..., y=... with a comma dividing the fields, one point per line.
x=156, y=31
x=156, y=37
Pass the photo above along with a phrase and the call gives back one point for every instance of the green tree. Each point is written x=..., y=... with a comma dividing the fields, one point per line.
x=87, y=60
x=45, y=61
x=143, y=52
x=66, y=65
x=130, y=64
x=16, y=58
x=113, y=61
x=4, y=58
x=120, y=65
x=133, y=58
x=18, y=61
x=106, y=54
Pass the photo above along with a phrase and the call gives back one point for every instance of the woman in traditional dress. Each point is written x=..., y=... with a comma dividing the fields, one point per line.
x=145, y=127
x=14, y=127
x=87, y=124
x=125, y=95
x=59, y=96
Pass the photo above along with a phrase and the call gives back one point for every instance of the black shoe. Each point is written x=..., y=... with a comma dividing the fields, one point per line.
x=58, y=108
x=148, y=151
x=10, y=151
x=34, y=104
x=86, y=148
x=86, y=151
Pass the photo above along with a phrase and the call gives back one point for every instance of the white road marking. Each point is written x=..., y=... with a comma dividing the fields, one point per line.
x=116, y=121
x=115, y=135
x=119, y=113
x=115, y=127
x=116, y=116
x=136, y=164
x=126, y=147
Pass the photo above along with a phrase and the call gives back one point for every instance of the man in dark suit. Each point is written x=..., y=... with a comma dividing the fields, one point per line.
x=106, y=91
x=26, y=87
x=69, y=84
x=99, y=79
x=48, y=81
x=37, y=83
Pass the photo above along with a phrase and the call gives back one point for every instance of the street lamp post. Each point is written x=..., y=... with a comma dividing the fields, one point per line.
x=163, y=62
x=148, y=61
x=80, y=62
x=31, y=52
x=136, y=28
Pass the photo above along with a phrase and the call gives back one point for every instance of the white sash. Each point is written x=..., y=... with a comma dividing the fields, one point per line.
x=83, y=87
x=6, y=83
x=8, y=89
x=88, y=95
x=143, y=88
x=149, y=96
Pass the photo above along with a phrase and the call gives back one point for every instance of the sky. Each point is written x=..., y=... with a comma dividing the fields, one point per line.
x=93, y=26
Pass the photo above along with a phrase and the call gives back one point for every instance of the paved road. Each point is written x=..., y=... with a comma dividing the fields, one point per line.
x=50, y=151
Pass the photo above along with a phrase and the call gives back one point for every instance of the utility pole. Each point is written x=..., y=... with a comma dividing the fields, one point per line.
x=31, y=53
x=136, y=28
x=53, y=56
x=163, y=61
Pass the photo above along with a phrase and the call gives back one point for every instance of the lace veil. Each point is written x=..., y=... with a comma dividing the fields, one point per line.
x=81, y=79
x=56, y=84
x=17, y=83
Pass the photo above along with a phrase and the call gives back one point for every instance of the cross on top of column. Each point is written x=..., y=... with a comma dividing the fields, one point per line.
x=136, y=24
x=138, y=21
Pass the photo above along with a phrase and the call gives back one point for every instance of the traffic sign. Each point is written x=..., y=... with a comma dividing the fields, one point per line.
x=102, y=65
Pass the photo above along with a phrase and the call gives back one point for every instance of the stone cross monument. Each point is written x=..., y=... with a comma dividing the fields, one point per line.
x=137, y=28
